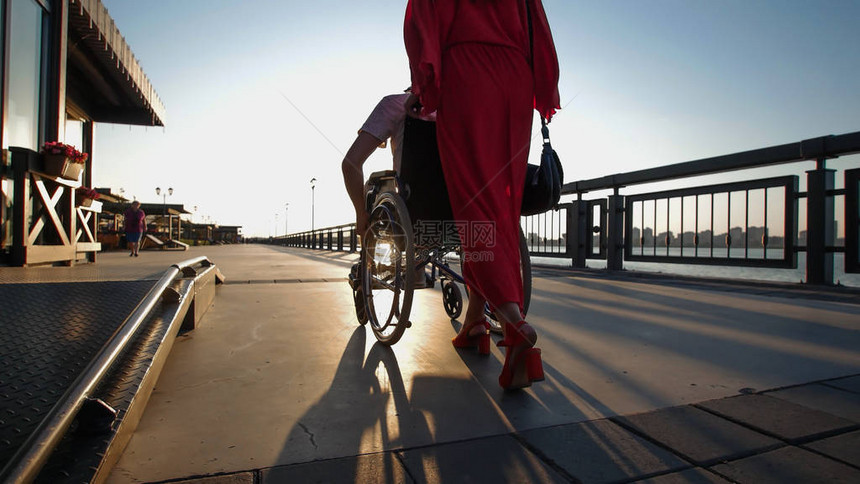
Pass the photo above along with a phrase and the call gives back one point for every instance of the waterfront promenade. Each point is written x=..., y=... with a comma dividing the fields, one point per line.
x=648, y=377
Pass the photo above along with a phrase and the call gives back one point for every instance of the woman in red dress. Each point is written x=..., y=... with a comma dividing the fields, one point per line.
x=483, y=65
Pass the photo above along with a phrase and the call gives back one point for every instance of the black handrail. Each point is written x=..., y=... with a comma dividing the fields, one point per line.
x=812, y=149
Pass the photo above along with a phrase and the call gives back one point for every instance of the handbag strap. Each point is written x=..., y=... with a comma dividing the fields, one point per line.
x=544, y=129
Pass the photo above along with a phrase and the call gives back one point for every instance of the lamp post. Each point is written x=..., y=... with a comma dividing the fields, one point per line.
x=313, y=186
x=286, y=219
x=276, y=225
x=167, y=193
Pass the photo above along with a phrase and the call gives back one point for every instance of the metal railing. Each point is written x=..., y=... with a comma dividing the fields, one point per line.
x=738, y=246
x=744, y=244
x=338, y=238
x=31, y=457
x=852, y=221
x=750, y=223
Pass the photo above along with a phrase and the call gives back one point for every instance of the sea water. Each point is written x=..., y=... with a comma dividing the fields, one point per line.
x=797, y=274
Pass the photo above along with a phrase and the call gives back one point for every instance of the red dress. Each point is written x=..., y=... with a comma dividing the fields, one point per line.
x=470, y=62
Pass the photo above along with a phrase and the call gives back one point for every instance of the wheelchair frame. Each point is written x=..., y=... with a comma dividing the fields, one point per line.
x=390, y=221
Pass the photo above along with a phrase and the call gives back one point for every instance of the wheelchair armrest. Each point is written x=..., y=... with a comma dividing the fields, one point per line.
x=381, y=175
x=370, y=196
x=378, y=182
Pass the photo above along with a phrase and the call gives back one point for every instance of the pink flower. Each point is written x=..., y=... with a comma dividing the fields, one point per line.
x=69, y=151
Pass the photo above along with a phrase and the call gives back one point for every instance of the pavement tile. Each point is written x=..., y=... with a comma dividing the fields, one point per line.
x=789, y=464
x=241, y=478
x=494, y=459
x=821, y=397
x=363, y=468
x=781, y=418
x=851, y=384
x=845, y=447
x=602, y=451
x=700, y=436
x=689, y=476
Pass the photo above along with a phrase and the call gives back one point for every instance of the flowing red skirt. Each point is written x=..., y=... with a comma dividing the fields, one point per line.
x=484, y=131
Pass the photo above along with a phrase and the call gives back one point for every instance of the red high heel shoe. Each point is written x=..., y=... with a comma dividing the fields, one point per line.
x=522, y=360
x=478, y=336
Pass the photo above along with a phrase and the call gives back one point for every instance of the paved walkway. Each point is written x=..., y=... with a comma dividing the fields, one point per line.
x=647, y=378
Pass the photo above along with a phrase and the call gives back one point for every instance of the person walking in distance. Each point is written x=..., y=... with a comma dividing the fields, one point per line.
x=135, y=227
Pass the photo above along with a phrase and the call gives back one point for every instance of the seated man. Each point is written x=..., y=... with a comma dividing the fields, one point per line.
x=385, y=121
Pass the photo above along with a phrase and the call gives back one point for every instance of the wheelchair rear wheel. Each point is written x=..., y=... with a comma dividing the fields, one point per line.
x=388, y=269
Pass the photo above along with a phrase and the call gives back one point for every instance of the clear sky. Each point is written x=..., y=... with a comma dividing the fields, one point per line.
x=263, y=95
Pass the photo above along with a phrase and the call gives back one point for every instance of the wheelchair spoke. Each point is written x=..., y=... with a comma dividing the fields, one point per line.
x=383, y=283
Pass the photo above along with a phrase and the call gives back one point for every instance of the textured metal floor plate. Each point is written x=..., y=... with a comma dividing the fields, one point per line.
x=48, y=335
x=79, y=457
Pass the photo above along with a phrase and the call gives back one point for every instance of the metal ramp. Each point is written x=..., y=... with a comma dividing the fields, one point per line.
x=78, y=362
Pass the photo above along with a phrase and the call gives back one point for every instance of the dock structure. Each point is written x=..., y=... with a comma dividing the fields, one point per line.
x=647, y=377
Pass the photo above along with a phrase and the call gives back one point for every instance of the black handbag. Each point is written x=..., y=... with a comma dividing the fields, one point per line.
x=543, y=182
x=542, y=189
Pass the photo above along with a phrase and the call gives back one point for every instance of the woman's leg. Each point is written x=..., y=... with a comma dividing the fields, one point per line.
x=474, y=311
x=484, y=133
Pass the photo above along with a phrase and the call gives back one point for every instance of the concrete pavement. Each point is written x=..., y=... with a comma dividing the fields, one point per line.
x=646, y=379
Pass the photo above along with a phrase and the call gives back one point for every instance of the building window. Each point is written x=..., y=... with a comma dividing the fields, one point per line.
x=24, y=74
x=74, y=134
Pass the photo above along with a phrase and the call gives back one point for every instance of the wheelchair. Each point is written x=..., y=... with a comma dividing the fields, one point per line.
x=412, y=241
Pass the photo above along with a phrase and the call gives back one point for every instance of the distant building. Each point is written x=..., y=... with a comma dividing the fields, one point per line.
x=229, y=234
x=65, y=67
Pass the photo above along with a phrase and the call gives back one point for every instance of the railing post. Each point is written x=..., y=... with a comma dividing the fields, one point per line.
x=20, y=205
x=577, y=222
x=852, y=221
x=820, y=223
x=353, y=240
x=615, y=233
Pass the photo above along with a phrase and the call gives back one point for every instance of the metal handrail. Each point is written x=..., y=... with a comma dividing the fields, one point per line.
x=26, y=464
x=323, y=229
x=812, y=149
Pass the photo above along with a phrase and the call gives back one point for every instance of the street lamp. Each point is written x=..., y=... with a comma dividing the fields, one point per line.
x=313, y=186
x=276, y=225
x=168, y=193
x=286, y=219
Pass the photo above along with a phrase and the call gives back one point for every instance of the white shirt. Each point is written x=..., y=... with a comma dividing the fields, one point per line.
x=387, y=121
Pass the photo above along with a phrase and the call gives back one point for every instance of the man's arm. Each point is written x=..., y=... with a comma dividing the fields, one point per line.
x=353, y=176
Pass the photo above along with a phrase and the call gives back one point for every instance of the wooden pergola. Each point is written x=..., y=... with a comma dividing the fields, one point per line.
x=160, y=219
